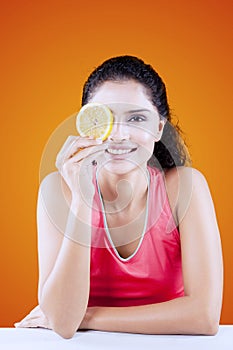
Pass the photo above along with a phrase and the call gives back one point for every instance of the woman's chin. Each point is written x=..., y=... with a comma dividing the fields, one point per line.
x=121, y=166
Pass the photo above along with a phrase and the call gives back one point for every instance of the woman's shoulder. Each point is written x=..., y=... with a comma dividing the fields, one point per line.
x=51, y=178
x=180, y=183
x=54, y=184
x=179, y=174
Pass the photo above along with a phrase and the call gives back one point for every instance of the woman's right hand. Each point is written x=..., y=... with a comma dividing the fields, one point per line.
x=75, y=164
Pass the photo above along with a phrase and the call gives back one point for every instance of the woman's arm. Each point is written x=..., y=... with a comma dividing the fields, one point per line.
x=64, y=216
x=64, y=256
x=198, y=312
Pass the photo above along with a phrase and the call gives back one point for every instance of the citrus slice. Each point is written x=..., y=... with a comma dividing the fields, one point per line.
x=94, y=119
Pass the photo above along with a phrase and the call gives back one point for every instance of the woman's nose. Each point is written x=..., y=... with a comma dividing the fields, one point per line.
x=119, y=132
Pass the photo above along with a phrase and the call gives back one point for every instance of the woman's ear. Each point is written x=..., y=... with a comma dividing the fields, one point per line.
x=159, y=132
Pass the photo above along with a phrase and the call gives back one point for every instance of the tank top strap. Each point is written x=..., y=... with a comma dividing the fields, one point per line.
x=160, y=212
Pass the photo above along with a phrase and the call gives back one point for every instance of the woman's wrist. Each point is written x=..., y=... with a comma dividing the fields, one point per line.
x=81, y=203
x=78, y=227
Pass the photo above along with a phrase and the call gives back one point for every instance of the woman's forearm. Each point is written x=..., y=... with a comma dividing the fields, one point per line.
x=64, y=296
x=183, y=315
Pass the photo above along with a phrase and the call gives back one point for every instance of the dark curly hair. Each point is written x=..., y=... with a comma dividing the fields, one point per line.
x=171, y=150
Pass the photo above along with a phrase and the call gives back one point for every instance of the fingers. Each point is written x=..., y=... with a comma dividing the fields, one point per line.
x=69, y=141
x=73, y=146
x=80, y=144
x=67, y=144
x=89, y=153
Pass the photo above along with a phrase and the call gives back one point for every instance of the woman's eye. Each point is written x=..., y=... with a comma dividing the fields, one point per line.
x=137, y=118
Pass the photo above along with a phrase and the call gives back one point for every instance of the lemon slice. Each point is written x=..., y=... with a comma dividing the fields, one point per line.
x=94, y=119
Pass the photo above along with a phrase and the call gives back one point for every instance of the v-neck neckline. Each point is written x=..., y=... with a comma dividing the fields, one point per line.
x=106, y=224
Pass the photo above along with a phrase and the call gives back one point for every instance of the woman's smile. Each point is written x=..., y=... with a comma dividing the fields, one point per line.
x=120, y=150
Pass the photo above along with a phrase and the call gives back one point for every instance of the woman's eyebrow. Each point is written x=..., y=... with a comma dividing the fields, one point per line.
x=138, y=110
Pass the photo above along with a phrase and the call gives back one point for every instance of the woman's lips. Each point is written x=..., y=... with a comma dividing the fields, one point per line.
x=120, y=151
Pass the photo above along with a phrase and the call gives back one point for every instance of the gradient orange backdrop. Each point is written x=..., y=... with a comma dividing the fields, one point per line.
x=47, y=50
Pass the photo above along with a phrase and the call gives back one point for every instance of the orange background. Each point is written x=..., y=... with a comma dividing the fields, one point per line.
x=47, y=50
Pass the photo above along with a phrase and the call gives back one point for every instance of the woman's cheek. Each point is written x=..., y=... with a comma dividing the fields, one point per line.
x=145, y=139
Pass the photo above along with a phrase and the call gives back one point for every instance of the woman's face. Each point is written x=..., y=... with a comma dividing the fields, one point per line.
x=136, y=125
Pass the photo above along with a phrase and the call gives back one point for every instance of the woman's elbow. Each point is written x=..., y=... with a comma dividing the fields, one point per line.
x=203, y=318
x=64, y=326
x=209, y=324
x=64, y=332
x=211, y=327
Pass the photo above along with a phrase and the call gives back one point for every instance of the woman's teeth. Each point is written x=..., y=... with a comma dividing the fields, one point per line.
x=119, y=151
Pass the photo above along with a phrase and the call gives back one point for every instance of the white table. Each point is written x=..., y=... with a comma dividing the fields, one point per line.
x=43, y=339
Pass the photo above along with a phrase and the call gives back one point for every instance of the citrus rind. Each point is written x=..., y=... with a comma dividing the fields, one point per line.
x=94, y=119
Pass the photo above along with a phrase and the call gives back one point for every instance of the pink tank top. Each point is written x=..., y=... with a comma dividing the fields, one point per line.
x=153, y=273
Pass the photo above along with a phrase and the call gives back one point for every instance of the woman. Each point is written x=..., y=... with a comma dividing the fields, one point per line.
x=140, y=250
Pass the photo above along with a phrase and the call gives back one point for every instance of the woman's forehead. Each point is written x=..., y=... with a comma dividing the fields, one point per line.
x=124, y=92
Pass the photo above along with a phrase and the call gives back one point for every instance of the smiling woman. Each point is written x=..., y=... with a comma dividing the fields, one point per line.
x=140, y=234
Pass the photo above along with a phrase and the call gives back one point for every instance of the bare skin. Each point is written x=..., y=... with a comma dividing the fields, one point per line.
x=64, y=259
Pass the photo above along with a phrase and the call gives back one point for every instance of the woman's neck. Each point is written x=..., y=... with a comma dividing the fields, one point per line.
x=123, y=192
